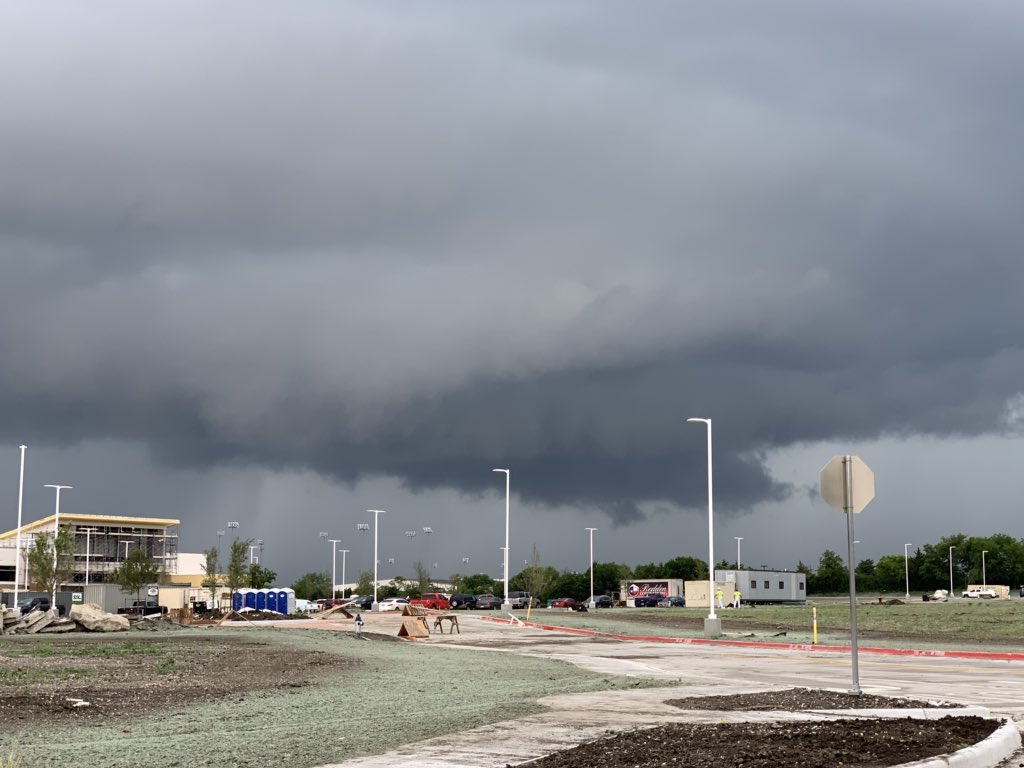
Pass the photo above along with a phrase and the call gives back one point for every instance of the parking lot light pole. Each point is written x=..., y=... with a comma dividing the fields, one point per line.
x=592, y=566
x=334, y=565
x=17, y=550
x=376, y=514
x=711, y=526
x=506, y=605
x=738, y=540
x=951, y=570
x=906, y=565
x=56, y=533
x=984, y=582
x=88, y=532
x=344, y=552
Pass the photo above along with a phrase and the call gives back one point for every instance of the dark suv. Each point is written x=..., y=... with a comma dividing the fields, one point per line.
x=487, y=602
x=462, y=602
x=603, y=601
x=30, y=604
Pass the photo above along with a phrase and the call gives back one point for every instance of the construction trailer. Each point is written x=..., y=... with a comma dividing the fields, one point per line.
x=765, y=586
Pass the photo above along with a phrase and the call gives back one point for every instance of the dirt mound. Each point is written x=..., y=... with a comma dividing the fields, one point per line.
x=872, y=743
x=797, y=699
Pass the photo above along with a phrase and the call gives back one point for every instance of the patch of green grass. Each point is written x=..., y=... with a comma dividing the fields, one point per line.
x=17, y=676
x=119, y=650
x=166, y=666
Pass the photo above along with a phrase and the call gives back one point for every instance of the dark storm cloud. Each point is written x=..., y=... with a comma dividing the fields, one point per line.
x=370, y=241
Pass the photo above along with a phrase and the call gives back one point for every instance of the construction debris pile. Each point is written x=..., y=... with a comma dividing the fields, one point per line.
x=82, y=618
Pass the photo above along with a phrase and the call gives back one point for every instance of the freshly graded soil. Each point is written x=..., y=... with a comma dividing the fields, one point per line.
x=81, y=678
x=872, y=743
x=797, y=699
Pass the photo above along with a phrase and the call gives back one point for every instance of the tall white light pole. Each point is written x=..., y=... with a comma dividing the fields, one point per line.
x=711, y=526
x=951, y=570
x=253, y=547
x=984, y=583
x=17, y=551
x=738, y=540
x=376, y=514
x=506, y=605
x=592, y=566
x=906, y=565
x=56, y=533
x=344, y=552
x=334, y=566
x=88, y=532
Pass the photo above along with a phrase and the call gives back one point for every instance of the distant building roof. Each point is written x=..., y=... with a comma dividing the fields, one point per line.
x=46, y=523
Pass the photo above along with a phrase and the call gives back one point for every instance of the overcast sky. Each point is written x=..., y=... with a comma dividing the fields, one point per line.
x=281, y=263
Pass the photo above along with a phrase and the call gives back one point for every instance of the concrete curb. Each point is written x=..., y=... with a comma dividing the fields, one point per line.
x=985, y=754
x=917, y=653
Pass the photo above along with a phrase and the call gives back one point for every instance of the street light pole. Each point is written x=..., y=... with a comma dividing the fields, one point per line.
x=711, y=533
x=592, y=566
x=17, y=551
x=334, y=566
x=344, y=552
x=951, y=570
x=738, y=540
x=376, y=514
x=906, y=565
x=984, y=582
x=506, y=605
x=56, y=533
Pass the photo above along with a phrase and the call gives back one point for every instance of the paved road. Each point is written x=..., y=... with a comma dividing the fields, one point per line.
x=703, y=669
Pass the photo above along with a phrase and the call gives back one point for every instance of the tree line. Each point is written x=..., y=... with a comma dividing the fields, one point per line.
x=928, y=567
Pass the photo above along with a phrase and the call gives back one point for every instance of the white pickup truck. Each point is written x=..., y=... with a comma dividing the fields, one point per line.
x=985, y=594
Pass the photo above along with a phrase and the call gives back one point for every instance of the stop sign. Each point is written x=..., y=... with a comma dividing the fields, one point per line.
x=834, y=484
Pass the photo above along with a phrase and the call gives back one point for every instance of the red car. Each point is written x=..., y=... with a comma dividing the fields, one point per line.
x=568, y=602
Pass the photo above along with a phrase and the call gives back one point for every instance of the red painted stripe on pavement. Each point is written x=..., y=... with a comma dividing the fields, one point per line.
x=979, y=655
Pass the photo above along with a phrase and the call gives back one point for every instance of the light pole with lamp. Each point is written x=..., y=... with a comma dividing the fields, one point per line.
x=506, y=605
x=738, y=540
x=220, y=535
x=951, y=570
x=344, y=552
x=252, y=558
x=56, y=533
x=88, y=533
x=984, y=583
x=17, y=551
x=592, y=606
x=376, y=515
x=712, y=624
x=334, y=566
x=906, y=566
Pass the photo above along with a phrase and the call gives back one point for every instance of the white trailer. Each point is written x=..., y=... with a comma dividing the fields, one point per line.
x=766, y=586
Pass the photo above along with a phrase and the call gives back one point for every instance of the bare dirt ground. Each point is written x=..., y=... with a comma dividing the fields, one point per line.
x=117, y=675
x=848, y=743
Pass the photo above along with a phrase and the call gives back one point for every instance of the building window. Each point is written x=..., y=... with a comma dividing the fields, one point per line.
x=801, y=586
x=782, y=585
x=753, y=584
x=766, y=586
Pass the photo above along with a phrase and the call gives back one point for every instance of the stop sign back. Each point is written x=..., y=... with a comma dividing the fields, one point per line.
x=834, y=484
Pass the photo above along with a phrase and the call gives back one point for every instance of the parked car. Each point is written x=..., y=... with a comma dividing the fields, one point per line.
x=487, y=603
x=986, y=594
x=603, y=601
x=672, y=602
x=462, y=602
x=433, y=600
x=393, y=604
x=568, y=602
x=642, y=601
x=522, y=600
x=29, y=604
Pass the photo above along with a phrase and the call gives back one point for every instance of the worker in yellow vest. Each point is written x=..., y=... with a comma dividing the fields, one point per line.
x=718, y=597
x=736, y=599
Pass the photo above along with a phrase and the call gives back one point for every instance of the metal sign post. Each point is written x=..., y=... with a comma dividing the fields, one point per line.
x=848, y=485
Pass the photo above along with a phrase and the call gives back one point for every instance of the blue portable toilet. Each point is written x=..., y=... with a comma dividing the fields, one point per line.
x=250, y=599
x=236, y=601
x=272, y=600
x=261, y=599
x=286, y=601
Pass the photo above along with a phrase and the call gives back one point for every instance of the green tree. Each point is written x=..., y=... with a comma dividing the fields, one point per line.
x=238, y=566
x=422, y=576
x=364, y=585
x=831, y=576
x=608, y=577
x=313, y=586
x=890, y=575
x=479, y=584
x=260, y=577
x=570, y=584
x=865, y=573
x=211, y=571
x=51, y=571
x=136, y=571
x=535, y=578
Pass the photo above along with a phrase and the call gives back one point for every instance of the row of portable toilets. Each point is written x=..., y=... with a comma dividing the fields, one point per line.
x=270, y=599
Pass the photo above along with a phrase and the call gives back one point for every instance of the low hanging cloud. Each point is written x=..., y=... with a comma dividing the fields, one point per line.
x=370, y=242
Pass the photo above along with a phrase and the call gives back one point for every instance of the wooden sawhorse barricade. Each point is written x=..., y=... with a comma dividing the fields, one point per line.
x=453, y=623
